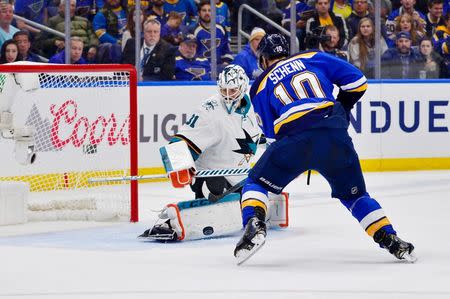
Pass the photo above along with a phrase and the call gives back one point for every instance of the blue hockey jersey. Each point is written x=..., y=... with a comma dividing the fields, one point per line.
x=186, y=8
x=223, y=16
x=203, y=36
x=195, y=69
x=296, y=93
x=300, y=7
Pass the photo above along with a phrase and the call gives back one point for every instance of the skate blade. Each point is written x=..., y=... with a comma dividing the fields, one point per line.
x=244, y=255
x=410, y=257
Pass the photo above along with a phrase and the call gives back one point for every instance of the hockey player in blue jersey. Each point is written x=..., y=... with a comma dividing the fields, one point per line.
x=294, y=103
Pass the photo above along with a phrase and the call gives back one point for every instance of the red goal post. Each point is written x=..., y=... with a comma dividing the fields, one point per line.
x=79, y=117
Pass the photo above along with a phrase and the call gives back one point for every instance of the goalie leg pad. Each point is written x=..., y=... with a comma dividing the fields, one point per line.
x=197, y=219
x=202, y=219
x=278, y=210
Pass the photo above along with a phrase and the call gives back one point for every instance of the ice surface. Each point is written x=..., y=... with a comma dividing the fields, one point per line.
x=323, y=254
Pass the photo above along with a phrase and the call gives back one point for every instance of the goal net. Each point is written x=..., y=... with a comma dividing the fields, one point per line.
x=63, y=124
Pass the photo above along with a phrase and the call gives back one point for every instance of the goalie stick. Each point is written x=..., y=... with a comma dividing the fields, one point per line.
x=206, y=173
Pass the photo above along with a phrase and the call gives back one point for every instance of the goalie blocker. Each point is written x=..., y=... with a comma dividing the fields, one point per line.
x=178, y=163
x=199, y=218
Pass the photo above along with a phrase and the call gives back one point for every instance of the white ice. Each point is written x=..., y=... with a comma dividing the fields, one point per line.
x=323, y=254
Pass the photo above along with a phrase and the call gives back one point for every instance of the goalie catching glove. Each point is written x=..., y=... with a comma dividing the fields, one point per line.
x=199, y=218
x=178, y=163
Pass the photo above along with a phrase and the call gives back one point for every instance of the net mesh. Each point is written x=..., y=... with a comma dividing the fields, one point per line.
x=81, y=129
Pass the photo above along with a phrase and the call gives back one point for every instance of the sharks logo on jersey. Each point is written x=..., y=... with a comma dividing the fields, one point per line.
x=218, y=139
x=210, y=105
x=247, y=147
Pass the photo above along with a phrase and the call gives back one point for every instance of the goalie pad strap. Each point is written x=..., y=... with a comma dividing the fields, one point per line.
x=179, y=227
x=279, y=209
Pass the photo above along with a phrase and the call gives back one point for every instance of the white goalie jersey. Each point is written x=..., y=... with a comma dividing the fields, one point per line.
x=221, y=134
x=220, y=139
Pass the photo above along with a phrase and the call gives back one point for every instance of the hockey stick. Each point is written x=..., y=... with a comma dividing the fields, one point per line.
x=308, y=178
x=206, y=173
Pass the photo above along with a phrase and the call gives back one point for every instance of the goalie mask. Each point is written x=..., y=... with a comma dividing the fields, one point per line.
x=233, y=84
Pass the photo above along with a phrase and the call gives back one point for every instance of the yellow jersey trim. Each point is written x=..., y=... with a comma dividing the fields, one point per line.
x=377, y=225
x=358, y=89
x=253, y=203
x=297, y=115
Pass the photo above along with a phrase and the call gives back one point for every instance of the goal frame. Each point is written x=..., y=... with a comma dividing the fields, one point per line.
x=98, y=68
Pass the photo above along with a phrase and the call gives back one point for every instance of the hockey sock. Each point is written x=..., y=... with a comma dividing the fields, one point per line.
x=254, y=202
x=251, y=211
x=369, y=214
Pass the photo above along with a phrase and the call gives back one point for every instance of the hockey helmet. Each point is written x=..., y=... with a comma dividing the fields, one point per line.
x=272, y=46
x=233, y=84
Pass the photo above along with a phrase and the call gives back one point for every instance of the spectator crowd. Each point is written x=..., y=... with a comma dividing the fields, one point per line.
x=176, y=34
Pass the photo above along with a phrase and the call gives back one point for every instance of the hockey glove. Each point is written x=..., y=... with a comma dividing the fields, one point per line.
x=182, y=177
x=178, y=163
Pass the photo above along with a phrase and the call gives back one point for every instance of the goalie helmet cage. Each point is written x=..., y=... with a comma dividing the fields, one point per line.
x=79, y=130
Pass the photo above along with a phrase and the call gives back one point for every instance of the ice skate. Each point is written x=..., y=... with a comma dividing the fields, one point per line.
x=160, y=232
x=396, y=246
x=253, y=239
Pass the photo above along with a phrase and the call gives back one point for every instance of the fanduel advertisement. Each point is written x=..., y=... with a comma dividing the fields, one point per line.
x=392, y=120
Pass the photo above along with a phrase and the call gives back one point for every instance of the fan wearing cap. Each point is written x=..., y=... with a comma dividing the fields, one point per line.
x=188, y=66
x=246, y=58
x=403, y=61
